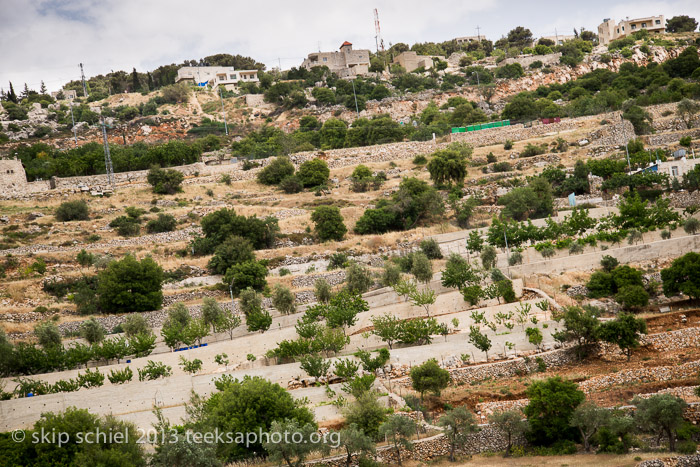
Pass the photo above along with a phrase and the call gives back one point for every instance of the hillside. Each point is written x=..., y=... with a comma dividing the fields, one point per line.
x=369, y=274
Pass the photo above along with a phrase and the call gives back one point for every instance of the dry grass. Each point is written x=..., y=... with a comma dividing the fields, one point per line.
x=579, y=460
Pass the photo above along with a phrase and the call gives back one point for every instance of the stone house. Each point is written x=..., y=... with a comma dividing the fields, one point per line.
x=68, y=94
x=559, y=39
x=410, y=60
x=12, y=176
x=345, y=63
x=609, y=31
x=226, y=76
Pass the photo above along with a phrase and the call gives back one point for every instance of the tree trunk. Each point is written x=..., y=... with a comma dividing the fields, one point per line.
x=452, y=452
x=671, y=440
x=349, y=462
x=398, y=454
x=507, y=454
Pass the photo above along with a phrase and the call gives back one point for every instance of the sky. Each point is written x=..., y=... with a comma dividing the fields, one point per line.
x=47, y=39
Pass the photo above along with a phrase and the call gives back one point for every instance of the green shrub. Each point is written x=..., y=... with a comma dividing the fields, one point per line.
x=276, y=171
x=165, y=181
x=72, y=211
x=313, y=173
x=163, y=223
x=291, y=184
x=431, y=249
x=154, y=370
x=120, y=376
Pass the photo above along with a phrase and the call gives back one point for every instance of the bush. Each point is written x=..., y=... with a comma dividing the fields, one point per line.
x=358, y=279
x=329, y=223
x=632, y=296
x=165, y=181
x=322, y=290
x=291, y=184
x=283, y=299
x=420, y=159
x=508, y=145
x=92, y=331
x=126, y=226
x=120, y=376
x=163, y=223
x=154, y=370
x=276, y=171
x=135, y=324
x=313, y=173
x=129, y=285
x=233, y=251
x=47, y=334
x=72, y=211
x=533, y=150
x=246, y=274
x=502, y=167
x=431, y=249
x=337, y=261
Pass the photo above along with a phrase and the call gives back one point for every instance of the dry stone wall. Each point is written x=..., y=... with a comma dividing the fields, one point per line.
x=523, y=365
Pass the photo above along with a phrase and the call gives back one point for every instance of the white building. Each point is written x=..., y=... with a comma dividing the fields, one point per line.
x=215, y=76
x=609, y=31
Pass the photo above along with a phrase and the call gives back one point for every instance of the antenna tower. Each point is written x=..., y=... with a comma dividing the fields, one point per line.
x=378, y=34
x=82, y=77
x=108, y=158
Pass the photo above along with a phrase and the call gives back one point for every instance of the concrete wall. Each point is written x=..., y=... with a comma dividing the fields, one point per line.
x=670, y=248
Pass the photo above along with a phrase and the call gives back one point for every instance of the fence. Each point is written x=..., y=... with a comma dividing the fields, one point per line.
x=480, y=126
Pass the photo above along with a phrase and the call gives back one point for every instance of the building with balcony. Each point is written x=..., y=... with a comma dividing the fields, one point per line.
x=609, y=31
x=216, y=76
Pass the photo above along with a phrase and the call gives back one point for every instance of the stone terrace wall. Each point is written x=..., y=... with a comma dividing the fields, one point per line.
x=669, y=138
x=641, y=375
x=524, y=365
x=526, y=61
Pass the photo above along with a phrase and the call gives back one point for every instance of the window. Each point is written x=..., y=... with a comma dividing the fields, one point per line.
x=644, y=25
x=634, y=26
x=674, y=171
x=325, y=59
x=658, y=21
x=233, y=76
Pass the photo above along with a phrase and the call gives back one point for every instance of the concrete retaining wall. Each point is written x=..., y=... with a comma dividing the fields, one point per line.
x=670, y=248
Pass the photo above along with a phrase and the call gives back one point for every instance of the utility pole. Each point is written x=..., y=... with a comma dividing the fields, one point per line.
x=378, y=32
x=556, y=35
x=629, y=166
x=82, y=77
x=478, y=33
x=75, y=135
x=357, y=108
x=108, y=158
x=223, y=111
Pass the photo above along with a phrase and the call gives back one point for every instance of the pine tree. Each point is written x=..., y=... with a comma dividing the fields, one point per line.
x=150, y=82
x=42, y=89
x=25, y=92
x=11, y=96
x=135, y=86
